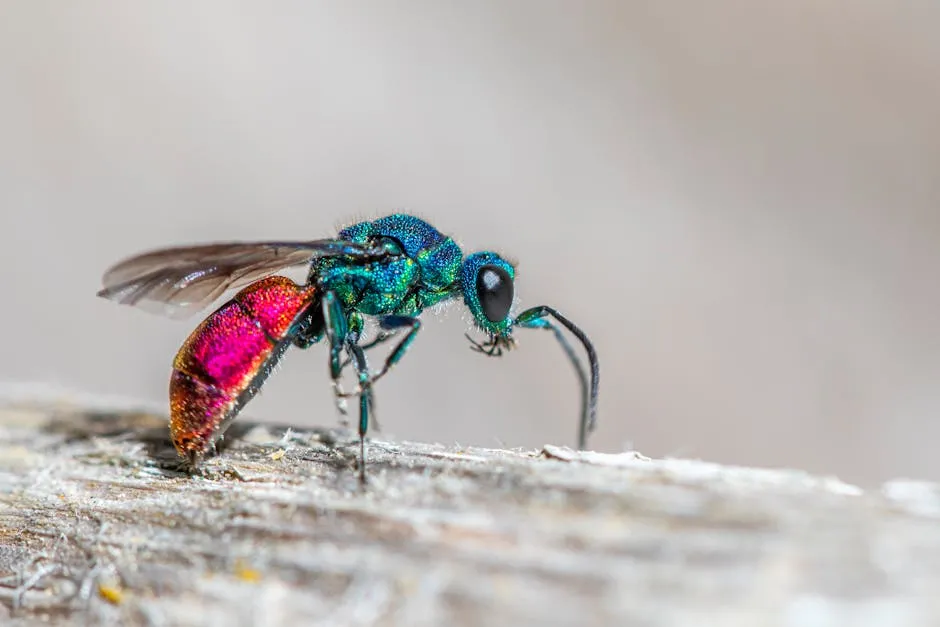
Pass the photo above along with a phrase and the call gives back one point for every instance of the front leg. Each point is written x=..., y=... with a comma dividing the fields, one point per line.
x=536, y=318
x=544, y=323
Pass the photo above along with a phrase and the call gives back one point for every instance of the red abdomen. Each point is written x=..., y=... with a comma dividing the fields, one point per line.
x=221, y=364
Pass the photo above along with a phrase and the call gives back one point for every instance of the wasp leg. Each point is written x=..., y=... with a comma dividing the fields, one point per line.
x=393, y=324
x=535, y=318
x=390, y=325
x=337, y=334
x=365, y=402
x=306, y=341
x=542, y=323
x=381, y=338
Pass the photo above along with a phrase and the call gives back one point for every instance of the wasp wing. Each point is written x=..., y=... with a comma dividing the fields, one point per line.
x=179, y=281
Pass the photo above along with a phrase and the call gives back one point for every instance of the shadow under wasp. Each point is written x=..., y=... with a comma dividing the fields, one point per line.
x=392, y=269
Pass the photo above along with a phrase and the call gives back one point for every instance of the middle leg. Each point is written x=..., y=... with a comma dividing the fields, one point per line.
x=390, y=325
x=358, y=357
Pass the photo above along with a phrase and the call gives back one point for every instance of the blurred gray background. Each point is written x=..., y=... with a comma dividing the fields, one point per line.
x=739, y=201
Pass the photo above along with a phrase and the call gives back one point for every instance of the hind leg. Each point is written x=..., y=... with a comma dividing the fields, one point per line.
x=342, y=336
x=337, y=333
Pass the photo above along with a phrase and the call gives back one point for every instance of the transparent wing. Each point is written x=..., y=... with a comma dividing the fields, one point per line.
x=179, y=281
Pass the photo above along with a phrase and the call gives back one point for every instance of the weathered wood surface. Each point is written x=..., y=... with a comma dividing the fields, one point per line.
x=97, y=526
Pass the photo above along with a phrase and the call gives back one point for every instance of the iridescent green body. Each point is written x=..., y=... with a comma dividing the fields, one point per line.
x=426, y=274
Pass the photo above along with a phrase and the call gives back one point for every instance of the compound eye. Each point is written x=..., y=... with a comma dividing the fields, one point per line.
x=494, y=288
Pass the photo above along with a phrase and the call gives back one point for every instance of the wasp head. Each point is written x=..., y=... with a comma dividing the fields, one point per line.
x=486, y=280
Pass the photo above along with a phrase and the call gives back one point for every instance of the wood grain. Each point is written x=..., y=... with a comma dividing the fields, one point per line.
x=98, y=525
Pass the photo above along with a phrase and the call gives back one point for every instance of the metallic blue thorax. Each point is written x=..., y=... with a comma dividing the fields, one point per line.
x=426, y=275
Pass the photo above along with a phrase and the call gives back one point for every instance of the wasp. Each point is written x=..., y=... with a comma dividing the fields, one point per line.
x=390, y=269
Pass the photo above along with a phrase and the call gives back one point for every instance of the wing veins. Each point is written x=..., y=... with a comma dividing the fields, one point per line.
x=181, y=280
